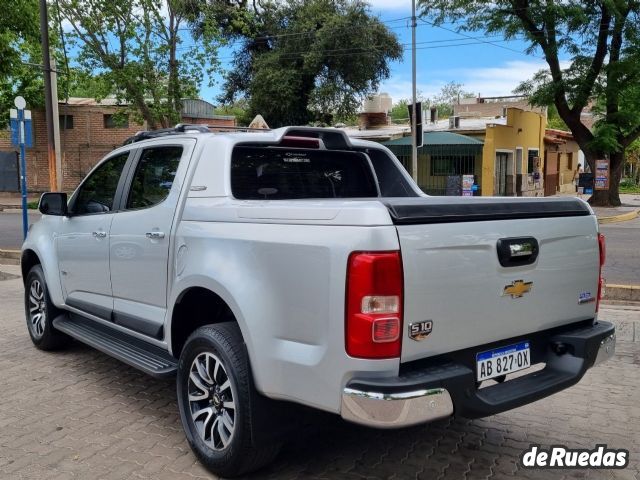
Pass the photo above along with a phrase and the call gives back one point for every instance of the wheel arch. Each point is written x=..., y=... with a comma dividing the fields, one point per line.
x=28, y=260
x=197, y=303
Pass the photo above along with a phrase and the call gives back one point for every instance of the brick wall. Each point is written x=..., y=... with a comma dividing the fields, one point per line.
x=82, y=146
x=222, y=122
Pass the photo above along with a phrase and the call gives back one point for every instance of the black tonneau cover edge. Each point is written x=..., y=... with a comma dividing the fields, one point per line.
x=413, y=211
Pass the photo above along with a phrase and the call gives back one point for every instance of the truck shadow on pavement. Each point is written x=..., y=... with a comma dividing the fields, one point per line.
x=325, y=446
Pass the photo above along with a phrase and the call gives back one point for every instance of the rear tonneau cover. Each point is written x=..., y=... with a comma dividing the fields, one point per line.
x=407, y=211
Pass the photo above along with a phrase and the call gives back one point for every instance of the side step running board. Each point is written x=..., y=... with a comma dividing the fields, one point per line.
x=141, y=355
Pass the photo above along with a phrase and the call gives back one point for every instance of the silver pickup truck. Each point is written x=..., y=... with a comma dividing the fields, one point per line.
x=297, y=265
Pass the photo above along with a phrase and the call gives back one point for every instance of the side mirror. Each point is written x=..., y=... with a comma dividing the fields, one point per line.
x=53, y=203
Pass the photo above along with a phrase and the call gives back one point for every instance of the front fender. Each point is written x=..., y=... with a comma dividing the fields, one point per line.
x=41, y=241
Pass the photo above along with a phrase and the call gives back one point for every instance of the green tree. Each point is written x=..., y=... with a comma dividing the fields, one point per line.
x=632, y=166
x=400, y=111
x=19, y=45
x=136, y=48
x=449, y=94
x=305, y=60
x=554, y=120
x=239, y=109
x=601, y=38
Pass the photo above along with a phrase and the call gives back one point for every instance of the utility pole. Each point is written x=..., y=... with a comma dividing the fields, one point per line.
x=56, y=122
x=48, y=97
x=414, y=147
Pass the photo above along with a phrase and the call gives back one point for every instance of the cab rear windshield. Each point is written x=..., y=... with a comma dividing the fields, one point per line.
x=275, y=173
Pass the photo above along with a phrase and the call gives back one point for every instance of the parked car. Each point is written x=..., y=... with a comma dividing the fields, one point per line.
x=297, y=265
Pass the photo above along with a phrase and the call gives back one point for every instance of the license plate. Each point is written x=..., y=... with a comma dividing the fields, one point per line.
x=501, y=361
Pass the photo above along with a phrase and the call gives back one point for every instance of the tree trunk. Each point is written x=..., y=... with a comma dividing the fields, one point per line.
x=611, y=197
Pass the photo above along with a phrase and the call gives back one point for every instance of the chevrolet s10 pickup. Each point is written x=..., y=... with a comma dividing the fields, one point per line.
x=298, y=265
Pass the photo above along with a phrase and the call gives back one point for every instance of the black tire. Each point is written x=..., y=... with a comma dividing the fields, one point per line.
x=241, y=454
x=37, y=302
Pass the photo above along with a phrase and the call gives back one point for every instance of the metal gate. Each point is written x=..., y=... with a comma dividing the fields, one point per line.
x=9, y=172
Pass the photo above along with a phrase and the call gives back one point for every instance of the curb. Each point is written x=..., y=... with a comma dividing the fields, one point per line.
x=623, y=217
x=10, y=257
x=622, y=292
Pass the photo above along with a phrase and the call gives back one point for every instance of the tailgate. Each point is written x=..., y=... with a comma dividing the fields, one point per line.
x=454, y=277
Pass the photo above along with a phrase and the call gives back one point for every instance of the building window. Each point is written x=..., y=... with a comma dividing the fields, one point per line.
x=66, y=122
x=443, y=165
x=569, y=160
x=532, y=153
x=111, y=121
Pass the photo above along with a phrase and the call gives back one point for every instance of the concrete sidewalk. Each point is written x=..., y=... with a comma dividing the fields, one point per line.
x=629, y=209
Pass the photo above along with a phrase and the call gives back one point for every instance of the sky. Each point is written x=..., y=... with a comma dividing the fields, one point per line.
x=489, y=67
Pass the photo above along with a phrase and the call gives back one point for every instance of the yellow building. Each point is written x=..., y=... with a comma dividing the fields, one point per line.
x=512, y=160
x=504, y=153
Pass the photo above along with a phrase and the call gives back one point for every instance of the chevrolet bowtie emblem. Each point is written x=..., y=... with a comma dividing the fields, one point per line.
x=517, y=289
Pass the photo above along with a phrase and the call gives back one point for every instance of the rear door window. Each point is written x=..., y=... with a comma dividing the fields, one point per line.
x=273, y=173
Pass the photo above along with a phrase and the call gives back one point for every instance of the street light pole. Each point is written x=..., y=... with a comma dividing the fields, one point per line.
x=48, y=97
x=414, y=147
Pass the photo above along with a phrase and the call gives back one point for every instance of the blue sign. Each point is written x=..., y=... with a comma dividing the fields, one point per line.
x=474, y=188
x=15, y=132
x=15, y=129
x=588, y=191
x=28, y=134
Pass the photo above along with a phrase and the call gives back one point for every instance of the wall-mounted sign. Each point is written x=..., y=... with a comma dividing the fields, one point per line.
x=601, y=180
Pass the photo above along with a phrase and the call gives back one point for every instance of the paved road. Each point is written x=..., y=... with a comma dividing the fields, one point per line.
x=80, y=414
x=11, y=229
x=623, y=252
x=623, y=245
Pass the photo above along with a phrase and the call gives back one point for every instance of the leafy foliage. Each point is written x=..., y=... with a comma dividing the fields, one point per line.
x=305, y=60
x=601, y=38
x=19, y=45
x=135, y=48
x=449, y=93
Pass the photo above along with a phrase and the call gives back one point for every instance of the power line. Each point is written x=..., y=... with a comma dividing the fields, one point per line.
x=478, y=39
x=370, y=49
x=482, y=41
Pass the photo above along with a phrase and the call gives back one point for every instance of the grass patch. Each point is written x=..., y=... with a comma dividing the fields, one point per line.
x=628, y=187
x=33, y=205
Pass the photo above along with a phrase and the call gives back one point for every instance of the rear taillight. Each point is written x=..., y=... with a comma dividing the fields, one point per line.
x=373, y=320
x=603, y=255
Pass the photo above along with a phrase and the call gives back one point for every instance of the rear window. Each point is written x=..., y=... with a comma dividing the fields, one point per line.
x=272, y=173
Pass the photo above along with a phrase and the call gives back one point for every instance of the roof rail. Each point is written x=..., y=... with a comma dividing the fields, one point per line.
x=184, y=128
x=238, y=129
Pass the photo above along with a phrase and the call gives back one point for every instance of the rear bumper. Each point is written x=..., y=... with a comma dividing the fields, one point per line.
x=431, y=389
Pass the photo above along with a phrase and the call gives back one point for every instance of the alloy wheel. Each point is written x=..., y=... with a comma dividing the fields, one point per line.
x=37, y=309
x=211, y=401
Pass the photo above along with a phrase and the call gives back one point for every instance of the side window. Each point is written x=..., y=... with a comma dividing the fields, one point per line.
x=96, y=194
x=154, y=176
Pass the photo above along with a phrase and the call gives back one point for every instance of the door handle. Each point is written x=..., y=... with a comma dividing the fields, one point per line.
x=99, y=234
x=154, y=235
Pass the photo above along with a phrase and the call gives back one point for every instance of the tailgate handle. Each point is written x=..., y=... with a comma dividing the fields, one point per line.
x=514, y=252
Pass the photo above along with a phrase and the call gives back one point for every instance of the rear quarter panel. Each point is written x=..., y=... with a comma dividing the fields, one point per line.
x=285, y=283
